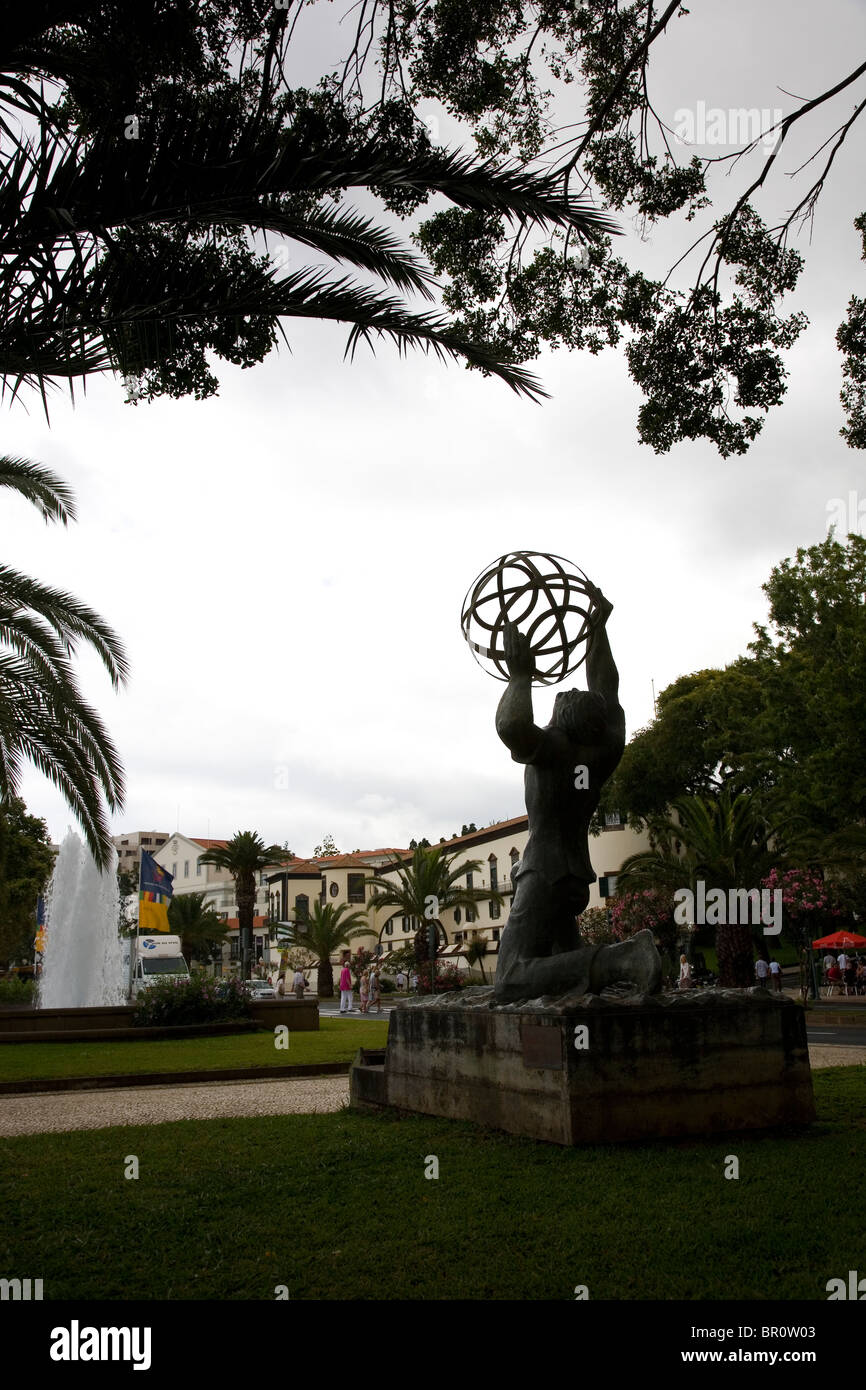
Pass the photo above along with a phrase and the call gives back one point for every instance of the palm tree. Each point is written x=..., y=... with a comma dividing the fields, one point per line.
x=325, y=929
x=43, y=716
x=425, y=887
x=244, y=856
x=475, y=952
x=129, y=255
x=199, y=927
x=725, y=842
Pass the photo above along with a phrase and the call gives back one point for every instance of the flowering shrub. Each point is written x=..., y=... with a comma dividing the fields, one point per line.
x=199, y=999
x=805, y=897
x=448, y=977
x=595, y=927
x=643, y=909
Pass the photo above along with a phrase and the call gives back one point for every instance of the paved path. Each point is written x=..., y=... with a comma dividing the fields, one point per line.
x=206, y=1100
x=155, y=1105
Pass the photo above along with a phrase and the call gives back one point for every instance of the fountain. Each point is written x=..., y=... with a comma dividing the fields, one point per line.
x=83, y=966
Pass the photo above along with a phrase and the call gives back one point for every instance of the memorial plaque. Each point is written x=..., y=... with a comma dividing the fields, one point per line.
x=542, y=1047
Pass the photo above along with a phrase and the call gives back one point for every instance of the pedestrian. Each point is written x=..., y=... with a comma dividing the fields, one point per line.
x=364, y=990
x=401, y=980
x=413, y=981
x=842, y=961
x=762, y=971
x=281, y=986
x=299, y=984
x=346, y=985
x=375, y=996
x=685, y=980
x=776, y=975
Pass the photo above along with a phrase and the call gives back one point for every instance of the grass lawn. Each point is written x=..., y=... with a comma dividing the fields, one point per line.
x=337, y=1206
x=336, y=1041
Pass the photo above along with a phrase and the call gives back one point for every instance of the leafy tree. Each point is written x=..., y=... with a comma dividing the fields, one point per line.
x=723, y=841
x=173, y=133
x=425, y=886
x=786, y=723
x=43, y=716
x=326, y=849
x=127, y=888
x=245, y=856
x=201, y=931
x=26, y=864
x=327, y=928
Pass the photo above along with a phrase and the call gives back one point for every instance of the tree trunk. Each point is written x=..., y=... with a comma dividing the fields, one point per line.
x=246, y=912
x=735, y=951
x=325, y=982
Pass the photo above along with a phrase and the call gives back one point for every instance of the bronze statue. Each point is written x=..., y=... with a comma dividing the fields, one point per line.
x=567, y=764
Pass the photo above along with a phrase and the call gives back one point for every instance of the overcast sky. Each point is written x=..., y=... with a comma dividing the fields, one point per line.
x=286, y=563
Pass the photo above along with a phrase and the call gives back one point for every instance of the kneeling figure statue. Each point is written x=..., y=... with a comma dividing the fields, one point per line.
x=567, y=764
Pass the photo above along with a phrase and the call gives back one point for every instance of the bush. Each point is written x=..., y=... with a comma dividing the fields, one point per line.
x=199, y=999
x=386, y=986
x=448, y=977
x=15, y=990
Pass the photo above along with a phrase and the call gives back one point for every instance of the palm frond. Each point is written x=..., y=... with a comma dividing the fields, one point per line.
x=49, y=493
x=70, y=619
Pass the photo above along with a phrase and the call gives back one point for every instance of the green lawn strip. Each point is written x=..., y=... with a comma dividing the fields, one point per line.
x=336, y=1041
x=349, y=1213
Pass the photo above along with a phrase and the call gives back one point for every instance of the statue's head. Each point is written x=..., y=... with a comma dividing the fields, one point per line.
x=581, y=713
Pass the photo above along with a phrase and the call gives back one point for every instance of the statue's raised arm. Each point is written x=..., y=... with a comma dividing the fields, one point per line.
x=514, y=722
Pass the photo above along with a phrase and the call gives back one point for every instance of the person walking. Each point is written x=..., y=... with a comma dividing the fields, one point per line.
x=346, y=985
x=281, y=986
x=375, y=996
x=364, y=990
x=685, y=980
x=299, y=983
x=776, y=975
x=762, y=971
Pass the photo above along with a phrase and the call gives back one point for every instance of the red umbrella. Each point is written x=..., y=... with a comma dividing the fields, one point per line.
x=839, y=939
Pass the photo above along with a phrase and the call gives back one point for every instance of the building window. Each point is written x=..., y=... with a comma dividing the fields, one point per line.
x=458, y=916
x=613, y=821
x=493, y=909
x=607, y=886
x=302, y=909
x=458, y=936
x=356, y=888
x=405, y=922
x=234, y=949
x=174, y=870
x=389, y=928
x=390, y=945
x=469, y=880
x=145, y=839
x=198, y=868
x=494, y=873
x=471, y=914
x=160, y=841
x=186, y=868
x=323, y=891
x=124, y=842
x=495, y=933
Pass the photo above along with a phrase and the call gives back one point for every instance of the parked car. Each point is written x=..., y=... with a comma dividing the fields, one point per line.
x=260, y=989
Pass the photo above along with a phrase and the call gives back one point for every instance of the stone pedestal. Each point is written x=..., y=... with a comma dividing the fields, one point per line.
x=593, y=1070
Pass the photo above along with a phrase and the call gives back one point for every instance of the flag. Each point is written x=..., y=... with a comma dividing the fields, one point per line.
x=154, y=895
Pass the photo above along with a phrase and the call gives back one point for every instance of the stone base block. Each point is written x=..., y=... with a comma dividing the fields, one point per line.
x=592, y=1070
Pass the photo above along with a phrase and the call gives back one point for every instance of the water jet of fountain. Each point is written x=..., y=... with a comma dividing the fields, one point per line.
x=83, y=965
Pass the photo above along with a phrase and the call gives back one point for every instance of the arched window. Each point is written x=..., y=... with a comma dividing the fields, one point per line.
x=458, y=916
x=494, y=871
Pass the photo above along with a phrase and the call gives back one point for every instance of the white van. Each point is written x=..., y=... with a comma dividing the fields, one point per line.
x=156, y=958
